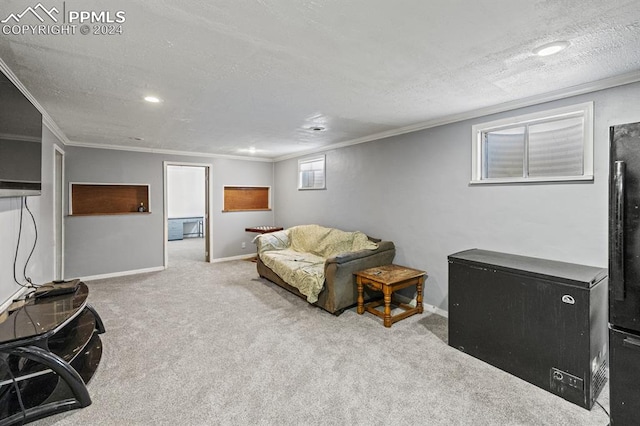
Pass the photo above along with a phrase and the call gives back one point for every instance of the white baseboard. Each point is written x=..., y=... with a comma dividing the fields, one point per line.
x=427, y=307
x=122, y=273
x=155, y=269
x=436, y=310
x=18, y=294
x=23, y=290
x=239, y=257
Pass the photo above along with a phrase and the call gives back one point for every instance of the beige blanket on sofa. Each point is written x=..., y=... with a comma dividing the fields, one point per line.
x=298, y=254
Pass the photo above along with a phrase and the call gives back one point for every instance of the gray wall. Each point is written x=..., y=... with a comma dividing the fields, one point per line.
x=228, y=228
x=41, y=267
x=414, y=189
x=97, y=245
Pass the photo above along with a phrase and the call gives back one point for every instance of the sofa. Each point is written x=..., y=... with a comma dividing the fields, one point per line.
x=318, y=263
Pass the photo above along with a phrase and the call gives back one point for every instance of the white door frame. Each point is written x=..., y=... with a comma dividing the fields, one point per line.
x=58, y=214
x=207, y=207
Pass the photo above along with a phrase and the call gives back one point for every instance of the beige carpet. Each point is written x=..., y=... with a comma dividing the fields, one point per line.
x=213, y=344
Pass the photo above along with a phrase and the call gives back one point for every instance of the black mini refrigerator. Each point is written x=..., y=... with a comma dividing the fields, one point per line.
x=624, y=274
x=541, y=320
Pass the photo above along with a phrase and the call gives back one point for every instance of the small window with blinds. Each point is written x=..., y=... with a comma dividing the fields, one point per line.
x=311, y=173
x=554, y=145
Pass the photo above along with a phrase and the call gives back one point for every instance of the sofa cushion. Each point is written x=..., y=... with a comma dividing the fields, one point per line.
x=305, y=271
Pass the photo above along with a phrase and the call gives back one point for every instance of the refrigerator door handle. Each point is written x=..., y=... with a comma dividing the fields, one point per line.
x=616, y=272
x=631, y=343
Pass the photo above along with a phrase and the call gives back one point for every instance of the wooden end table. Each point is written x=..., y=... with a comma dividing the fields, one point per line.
x=387, y=279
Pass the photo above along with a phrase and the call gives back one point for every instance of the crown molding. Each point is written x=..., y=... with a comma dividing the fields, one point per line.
x=555, y=95
x=53, y=127
x=166, y=151
x=20, y=138
x=46, y=118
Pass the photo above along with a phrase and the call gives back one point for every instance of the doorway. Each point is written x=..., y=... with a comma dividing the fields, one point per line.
x=186, y=212
x=58, y=212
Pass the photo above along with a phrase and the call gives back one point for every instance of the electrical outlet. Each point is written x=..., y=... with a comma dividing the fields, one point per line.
x=244, y=245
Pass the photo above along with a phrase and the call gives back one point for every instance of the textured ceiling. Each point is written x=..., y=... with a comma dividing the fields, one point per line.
x=235, y=75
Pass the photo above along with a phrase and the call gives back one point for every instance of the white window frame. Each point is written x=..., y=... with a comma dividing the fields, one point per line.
x=324, y=172
x=584, y=110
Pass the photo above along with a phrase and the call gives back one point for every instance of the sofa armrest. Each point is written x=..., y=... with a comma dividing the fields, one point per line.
x=340, y=281
x=278, y=240
x=350, y=256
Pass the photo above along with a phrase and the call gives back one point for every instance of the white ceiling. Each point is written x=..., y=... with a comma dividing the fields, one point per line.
x=240, y=74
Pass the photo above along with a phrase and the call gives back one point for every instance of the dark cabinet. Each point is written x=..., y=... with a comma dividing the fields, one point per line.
x=541, y=320
x=624, y=386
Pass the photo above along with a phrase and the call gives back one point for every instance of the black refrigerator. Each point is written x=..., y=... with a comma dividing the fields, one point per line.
x=624, y=274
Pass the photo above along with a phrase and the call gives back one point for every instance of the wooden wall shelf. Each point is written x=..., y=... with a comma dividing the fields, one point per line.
x=109, y=214
x=107, y=199
x=246, y=198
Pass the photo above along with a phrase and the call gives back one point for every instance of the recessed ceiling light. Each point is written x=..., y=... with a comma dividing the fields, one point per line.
x=551, y=48
x=152, y=99
x=317, y=128
x=250, y=150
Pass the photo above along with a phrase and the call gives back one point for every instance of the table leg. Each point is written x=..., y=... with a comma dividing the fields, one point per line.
x=419, y=295
x=387, y=305
x=360, y=309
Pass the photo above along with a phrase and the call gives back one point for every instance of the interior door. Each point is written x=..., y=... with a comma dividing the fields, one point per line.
x=186, y=197
x=207, y=227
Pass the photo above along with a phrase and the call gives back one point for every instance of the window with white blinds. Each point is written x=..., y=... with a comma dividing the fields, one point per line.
x=553, y=145
x=311, y=173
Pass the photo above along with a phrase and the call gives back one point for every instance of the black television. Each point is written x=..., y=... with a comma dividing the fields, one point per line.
x=20, y=143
